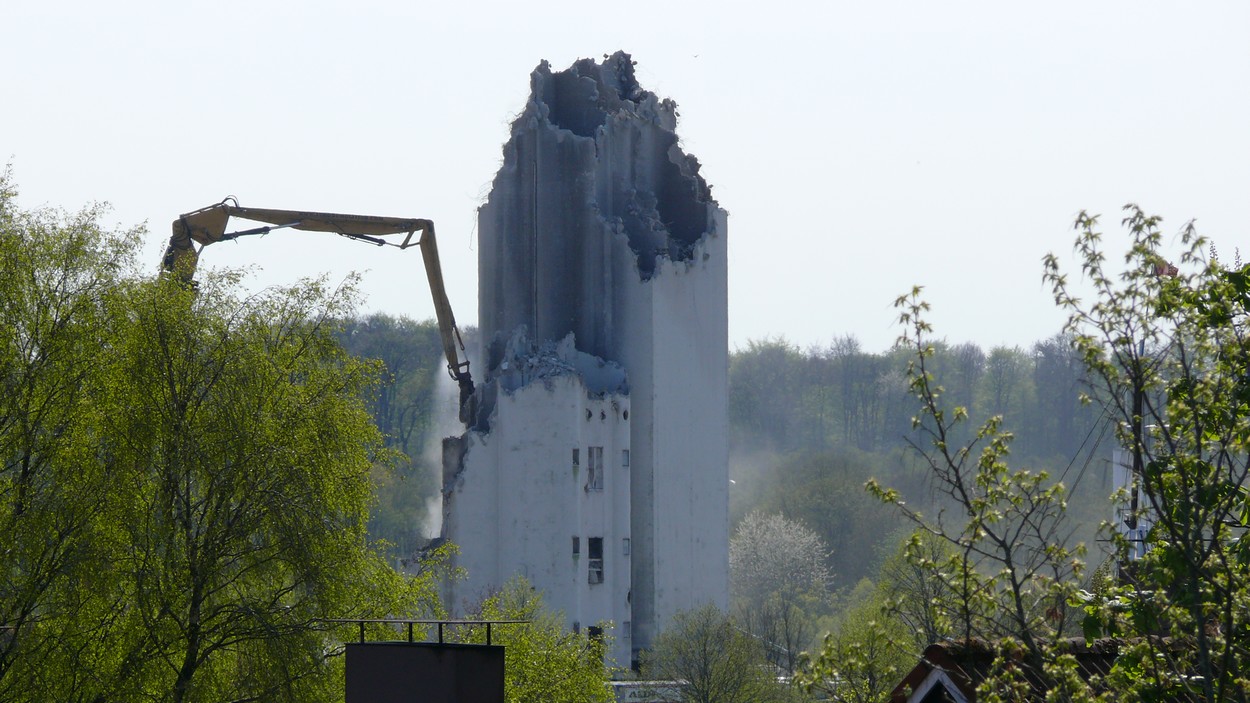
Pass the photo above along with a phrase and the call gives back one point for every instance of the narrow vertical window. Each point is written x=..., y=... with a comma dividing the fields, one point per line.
x=594, y=633
x=625, y=458
x=577, y=457
x=577, y=546
x=594, y=547
x=594, y=468
x=624, y=546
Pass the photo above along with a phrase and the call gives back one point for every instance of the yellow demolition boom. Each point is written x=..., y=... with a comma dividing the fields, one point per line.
x=208, y=225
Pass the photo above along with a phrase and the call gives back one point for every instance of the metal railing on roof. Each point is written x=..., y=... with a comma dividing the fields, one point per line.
x=361, y=622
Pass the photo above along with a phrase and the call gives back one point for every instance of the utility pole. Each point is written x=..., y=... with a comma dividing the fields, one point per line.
x=1162, y=270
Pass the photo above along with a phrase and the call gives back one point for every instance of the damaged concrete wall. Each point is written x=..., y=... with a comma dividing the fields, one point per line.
x=593, y=178
x=599, y=226
x=524, y=501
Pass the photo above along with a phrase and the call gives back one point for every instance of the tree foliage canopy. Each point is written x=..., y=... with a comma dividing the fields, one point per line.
x=1170, y=347
x=712, y=661
x=771, y=554
x=779, y=579
x=403, y=404
x=543, y=661
x=1165, y=350
x=185, y=478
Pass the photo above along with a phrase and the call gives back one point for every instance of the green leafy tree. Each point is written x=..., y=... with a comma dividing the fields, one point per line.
x=59, y=277
x=965, y=368
x=185, y=479
x=1168, y=347
x=910, y=594
x=883, y=628
x=1060, y=379
x=1167, y=350
x=712, y=661
x=765, y=378
x=999, y=559
x=249, y=453
x=824, y=491
x=1011, y=571
x=543, y=662
x=865, y=657
x=402, y=404
x=1007, y=385
x=410, y=354
x=868, y=391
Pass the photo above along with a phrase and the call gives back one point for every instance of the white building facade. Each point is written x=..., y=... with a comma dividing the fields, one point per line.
x=599, y=237
x=545, y=495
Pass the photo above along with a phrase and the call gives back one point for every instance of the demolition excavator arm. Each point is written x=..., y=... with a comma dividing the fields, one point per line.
x=208, y=225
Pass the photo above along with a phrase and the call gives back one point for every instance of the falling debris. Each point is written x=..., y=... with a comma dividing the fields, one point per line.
x=602, y=293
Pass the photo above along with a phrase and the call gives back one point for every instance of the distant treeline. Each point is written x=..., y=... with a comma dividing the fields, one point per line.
x=841, y=396
x=808, y=428
x=402, y=405
x=786, y=399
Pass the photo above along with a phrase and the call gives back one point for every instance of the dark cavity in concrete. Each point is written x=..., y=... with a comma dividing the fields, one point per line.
x=592, y=171
x=663, y=209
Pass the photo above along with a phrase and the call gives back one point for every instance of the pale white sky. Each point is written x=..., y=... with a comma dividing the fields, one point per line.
x=860, y=148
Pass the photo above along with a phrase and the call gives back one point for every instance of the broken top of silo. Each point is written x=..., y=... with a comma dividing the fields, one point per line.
x=593, y=172
x=601, y=237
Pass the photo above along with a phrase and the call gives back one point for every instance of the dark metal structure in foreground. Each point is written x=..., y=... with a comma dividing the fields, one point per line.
x=410, y=671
